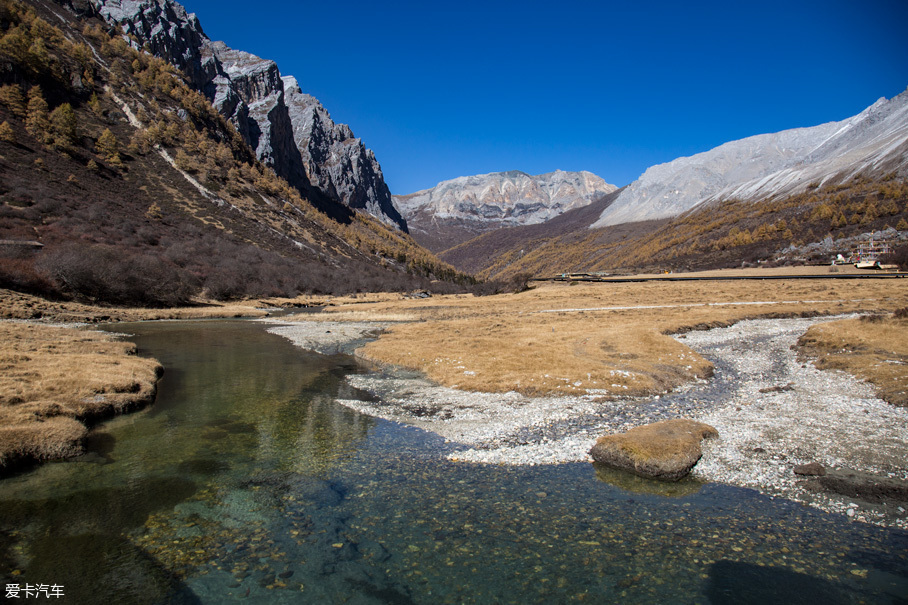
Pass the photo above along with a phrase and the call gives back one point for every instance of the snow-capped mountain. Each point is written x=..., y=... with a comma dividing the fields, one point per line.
x=459, y=209
x=770, y=165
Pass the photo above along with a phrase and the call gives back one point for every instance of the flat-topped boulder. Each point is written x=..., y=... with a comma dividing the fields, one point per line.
x=665, y=450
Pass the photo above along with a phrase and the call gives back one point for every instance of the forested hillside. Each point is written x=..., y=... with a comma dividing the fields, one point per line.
x=121, y=184
x=811, y=227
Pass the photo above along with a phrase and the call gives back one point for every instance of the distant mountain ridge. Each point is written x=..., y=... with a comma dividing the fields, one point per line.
x=251, y=93
x=770, y=165
x=462, y=208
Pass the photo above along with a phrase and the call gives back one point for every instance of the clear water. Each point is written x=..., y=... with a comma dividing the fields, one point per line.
x=246, y=482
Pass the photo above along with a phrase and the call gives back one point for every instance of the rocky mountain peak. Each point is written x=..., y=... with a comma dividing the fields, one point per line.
x=465, y=207
x=291, y=132
x=512, y=197
x=335, y=161
x=770, y=165
x=169, y=31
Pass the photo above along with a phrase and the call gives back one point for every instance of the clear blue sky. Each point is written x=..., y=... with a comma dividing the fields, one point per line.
x=447, y=89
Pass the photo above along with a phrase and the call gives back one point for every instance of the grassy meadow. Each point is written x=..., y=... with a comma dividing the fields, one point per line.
x=56, y=381
x=607, y=339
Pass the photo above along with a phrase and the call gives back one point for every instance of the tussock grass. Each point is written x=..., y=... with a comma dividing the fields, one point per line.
x=54, y=381
x=597, y=339
x=873, y=348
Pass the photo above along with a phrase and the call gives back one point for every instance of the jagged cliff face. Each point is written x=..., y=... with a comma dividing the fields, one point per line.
x=334, y=160
x=765, y=166
x=248, y=90
x=462, y=208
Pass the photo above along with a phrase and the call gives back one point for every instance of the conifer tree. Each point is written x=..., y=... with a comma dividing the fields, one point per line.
x=11, y=96
x=6, y=133
x=63, y=126
x=37, y=120
x=95, y=105
x=38, y=57
x=108, y=147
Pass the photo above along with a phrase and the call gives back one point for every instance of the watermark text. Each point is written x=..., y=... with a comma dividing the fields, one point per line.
x=34, y=591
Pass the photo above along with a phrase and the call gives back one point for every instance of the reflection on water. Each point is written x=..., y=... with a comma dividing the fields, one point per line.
x=630, y=482
x=246, y=482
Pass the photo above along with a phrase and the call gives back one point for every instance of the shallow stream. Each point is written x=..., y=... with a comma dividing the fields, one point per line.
x=246, y=482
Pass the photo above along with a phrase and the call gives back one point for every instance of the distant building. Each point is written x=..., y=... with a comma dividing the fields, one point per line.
x=868, y=253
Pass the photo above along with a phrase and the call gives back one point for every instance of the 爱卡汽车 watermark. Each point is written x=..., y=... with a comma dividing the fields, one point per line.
x=34, y=591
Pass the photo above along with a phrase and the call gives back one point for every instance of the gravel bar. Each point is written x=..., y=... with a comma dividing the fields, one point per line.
x=327, y=337
x=772, y=413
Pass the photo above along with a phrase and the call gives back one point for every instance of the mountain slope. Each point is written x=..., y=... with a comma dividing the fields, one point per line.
x=477, y=254
x=811, y=227
x=137, y=190
x=459, y=209
x=771, y=165
x=250, y=92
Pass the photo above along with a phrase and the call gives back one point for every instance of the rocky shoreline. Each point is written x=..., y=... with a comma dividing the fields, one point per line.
x=780, y=412
x=772, y=412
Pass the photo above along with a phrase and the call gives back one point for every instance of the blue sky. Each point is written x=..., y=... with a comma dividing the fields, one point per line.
x=440, y=90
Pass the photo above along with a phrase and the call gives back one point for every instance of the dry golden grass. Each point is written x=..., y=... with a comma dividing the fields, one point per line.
x=53, y=380
x=873, y=348
x=16, y=305
x=610, y=339
x=772, y=272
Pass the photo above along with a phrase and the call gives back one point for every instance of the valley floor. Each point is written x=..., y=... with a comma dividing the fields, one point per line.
x=536, y=377
x=57, y=381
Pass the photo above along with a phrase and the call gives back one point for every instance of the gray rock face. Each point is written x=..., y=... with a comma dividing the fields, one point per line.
x=468, y=206
x=770, y=165
x=335, y=161
x=249, y=91
x=169, y=31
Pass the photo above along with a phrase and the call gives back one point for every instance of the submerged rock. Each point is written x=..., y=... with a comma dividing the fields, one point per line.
x=635, y=484
x=664, y=450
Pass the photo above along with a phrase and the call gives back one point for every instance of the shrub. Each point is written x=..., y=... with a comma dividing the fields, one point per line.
x=899, y=256
x=18, y=272
x=113, y=275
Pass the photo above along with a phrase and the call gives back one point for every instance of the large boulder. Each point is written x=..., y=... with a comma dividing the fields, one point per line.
x=664, y=450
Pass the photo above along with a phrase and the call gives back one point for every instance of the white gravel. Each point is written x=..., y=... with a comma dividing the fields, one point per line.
x=326, y=337
x=824, y=416
x=802, y=415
